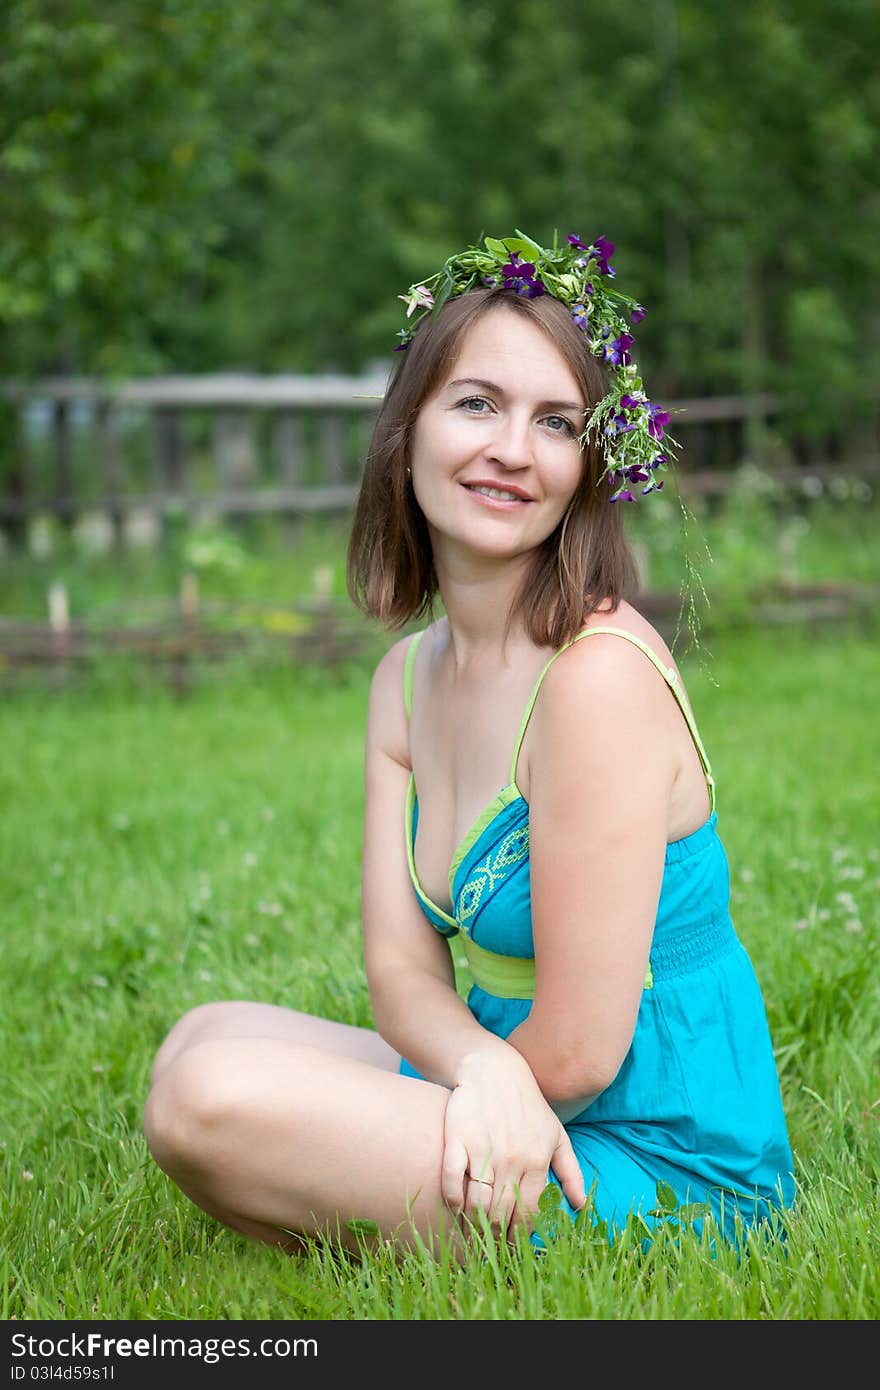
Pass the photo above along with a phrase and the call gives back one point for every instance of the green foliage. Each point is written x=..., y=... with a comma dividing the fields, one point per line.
x=113, y=151
x=193, y=186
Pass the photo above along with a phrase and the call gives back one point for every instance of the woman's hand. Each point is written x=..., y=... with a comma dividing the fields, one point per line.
x=500, y=1138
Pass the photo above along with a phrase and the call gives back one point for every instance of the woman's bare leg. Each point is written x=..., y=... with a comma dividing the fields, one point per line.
x=245, y=1019
x=277, y=1136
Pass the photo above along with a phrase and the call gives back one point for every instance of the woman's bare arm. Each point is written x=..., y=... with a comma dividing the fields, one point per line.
x=601, y=779
x=409, y=967
x=500, y=1133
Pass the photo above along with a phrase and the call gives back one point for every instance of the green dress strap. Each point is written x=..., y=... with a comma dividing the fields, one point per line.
x=669, y=674
x=408, y=671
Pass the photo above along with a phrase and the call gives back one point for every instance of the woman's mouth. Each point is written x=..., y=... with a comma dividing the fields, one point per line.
x=499, y=496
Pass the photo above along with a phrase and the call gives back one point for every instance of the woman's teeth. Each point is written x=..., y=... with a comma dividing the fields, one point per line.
x=499, y=492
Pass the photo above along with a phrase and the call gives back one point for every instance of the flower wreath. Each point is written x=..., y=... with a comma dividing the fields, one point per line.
x=580, y=275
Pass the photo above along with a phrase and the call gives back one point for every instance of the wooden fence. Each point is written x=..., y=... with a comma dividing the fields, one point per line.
x=233, y=445
x=185, y=642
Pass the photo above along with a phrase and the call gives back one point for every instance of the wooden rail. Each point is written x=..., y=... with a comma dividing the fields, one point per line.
x=236, y=444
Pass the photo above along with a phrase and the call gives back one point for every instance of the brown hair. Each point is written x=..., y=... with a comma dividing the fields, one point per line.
x=584, y=561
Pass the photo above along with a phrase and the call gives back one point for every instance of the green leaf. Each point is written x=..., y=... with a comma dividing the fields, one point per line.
x=443, y=293
x=666, y=1198
x=527, y=249
x=498, y=248
x=692, y=1211
x=526, y=243
x=550, y=1200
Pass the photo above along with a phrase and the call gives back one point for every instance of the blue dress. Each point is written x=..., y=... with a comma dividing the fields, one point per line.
x=696, y=1104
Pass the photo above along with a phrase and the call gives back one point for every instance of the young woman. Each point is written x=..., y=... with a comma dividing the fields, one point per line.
x=536, y=791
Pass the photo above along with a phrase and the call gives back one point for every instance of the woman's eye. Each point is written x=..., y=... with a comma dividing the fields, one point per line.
x=474, y=405
x=559, y=425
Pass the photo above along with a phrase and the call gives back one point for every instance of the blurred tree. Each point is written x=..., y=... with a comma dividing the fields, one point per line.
x=205, y=185
x=111, y=153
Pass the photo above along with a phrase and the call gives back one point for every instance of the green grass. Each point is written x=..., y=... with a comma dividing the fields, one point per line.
x=158, y=853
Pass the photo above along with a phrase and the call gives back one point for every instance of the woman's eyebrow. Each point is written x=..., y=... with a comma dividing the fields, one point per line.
x=497, y=390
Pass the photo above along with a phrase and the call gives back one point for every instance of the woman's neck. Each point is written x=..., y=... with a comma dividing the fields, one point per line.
x=477, y=599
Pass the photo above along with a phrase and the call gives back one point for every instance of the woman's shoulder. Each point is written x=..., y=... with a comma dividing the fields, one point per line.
x=626, y=619
x=388, y=720
x=603, y=664
x=602, y=706
x=389, y=672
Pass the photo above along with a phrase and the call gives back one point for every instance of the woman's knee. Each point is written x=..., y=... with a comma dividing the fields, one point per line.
x=192, y=1026
x=193, y=1098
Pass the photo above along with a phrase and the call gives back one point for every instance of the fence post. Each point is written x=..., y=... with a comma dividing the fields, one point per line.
x=65, y=504
x=234, y=444
x=289, y=448
x=169, y=468
x=331, y=443
x=169, y=472
x=110, y=463
x=323, y=601
x=13, y=471
x=59, y=626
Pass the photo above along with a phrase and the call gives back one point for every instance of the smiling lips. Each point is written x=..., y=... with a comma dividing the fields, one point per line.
x=493, y=492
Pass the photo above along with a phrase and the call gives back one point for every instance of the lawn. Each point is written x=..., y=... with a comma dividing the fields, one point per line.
x=159, y=852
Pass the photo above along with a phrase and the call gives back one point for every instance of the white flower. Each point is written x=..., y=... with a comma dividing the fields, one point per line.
x=419, y=297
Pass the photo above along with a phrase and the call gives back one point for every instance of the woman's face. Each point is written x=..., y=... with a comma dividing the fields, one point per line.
x=495, y=452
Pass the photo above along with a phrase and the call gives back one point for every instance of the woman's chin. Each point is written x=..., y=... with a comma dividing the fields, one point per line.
x=480, y=548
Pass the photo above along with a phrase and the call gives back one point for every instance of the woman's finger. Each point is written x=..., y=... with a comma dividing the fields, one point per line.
x=568, y=1171
x=453, y=1175
x=501, y=1208
x=528, y=1194
x=478, y=1196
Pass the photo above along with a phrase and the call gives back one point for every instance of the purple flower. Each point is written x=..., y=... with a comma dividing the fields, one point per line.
x=622, y=496
x=581, y=315
x=657, y=461
x=629, y=402
x=576, y=241
x=519, y=275
x=620, y=424
x=617, y=353
x=638, y=313
x=604, y=250
x=655, y=485
x=636, y=473
x=659, y=418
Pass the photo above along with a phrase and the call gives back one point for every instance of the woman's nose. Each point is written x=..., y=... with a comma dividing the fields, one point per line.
x=511, y=442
